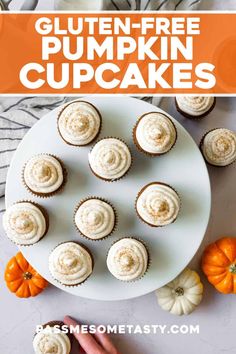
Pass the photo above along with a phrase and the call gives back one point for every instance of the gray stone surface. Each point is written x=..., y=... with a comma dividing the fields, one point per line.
x=216, y=316
x=206, y=5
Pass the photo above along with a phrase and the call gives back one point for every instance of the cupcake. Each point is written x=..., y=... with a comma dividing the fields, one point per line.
x=95, y=218
x=157, y=204
x=44, y=175
x=218, y=147
x=128, y=259
x=110, y=159
x=79, y=123
x=70, y=264
x=154, y=134
x=195, y=106
x=52, y=339
x=25, y=223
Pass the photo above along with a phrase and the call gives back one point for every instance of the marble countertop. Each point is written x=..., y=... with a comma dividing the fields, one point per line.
x=205, y=5
x=216, y=315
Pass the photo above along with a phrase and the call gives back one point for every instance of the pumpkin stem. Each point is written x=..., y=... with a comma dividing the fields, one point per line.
x=232, y=268
x=179, y=291
x=27, y=275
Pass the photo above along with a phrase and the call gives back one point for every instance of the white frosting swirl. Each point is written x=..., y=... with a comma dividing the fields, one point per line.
x=127, y=259
x=79, y=123
x=24, y=223
x=219, y=147
x=195, y=105
x=158, y=204
x=110, y=159
x=155, y=133
x=51, y=341
x=43, y=174
x=95, y=219
x=70, y=263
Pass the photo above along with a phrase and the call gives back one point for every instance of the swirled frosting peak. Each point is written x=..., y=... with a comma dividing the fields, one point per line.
x=51, y=341
x=79, y=123
x=158, y=204
x=110, y=159
x=70, y=263
x=195, y=105
x=24, y=223
x=127, y=259
x=95, y=218
x=219, y=147
x=43, y=174
x=155, y=133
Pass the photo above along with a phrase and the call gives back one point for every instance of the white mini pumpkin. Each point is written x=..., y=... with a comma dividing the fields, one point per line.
x=182, y=295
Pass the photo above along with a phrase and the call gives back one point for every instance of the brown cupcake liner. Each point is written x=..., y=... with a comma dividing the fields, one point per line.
x=201, y=149
x=149, y=262
x=92, y=258
x=46, y=217
x=103, y=200
x=115, y=179
x=141, y=191
x=60, y=324
x=135, y=141
x=96, y=136
x=51, y=194
x=186, y=115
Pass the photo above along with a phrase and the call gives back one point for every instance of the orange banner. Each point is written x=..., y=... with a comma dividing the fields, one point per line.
x=118, y=53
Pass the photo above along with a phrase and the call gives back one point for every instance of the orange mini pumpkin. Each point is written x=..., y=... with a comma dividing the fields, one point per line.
x=22, y=279
x=219, y=264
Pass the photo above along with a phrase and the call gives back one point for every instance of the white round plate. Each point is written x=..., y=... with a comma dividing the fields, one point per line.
x=171, y=248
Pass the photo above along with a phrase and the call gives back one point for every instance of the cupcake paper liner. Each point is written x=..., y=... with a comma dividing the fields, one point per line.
x=149, y=262
x=103, y=200
x=125, y=174
x=139, y=193
x=92, y=258
x=51, y=194
x=186, y=115
x=46, y=216
x=149, y=154
x=201, y=149
x=96, y=136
